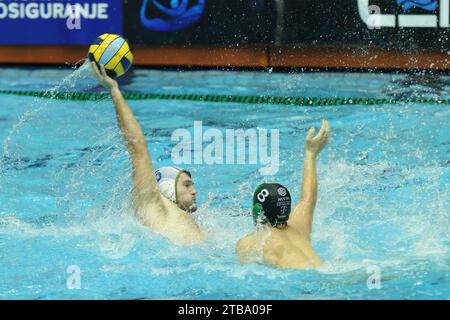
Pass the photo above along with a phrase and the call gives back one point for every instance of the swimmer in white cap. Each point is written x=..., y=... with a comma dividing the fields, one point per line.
x=165, y=199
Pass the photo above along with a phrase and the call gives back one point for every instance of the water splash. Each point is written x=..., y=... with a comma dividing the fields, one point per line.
x=77, y=79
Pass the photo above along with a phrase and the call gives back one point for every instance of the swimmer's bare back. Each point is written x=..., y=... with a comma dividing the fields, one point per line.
x=154, y=211
x=290, y=246
x=281, y=248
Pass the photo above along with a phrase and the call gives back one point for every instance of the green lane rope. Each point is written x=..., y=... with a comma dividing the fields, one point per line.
x=293, y=101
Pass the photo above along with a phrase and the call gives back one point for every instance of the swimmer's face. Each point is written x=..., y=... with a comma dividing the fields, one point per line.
x=186, y=193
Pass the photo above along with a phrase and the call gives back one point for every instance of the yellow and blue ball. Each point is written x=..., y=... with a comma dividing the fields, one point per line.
x=112, y=51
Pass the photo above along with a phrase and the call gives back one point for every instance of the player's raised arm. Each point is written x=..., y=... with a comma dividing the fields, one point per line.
x=145, y=189
x=302, y=216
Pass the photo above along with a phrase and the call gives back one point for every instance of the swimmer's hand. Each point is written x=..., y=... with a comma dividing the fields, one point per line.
x=315, y=145
x=105, y=80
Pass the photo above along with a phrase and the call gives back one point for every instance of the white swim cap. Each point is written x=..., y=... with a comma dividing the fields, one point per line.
x=167, y=178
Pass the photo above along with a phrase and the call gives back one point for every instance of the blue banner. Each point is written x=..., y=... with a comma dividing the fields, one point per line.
x=199, y=22
x=179, y=14
x=58, y=22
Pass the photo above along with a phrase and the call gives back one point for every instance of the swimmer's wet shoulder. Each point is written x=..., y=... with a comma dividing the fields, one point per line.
x=286, y=248
x=175, y=224
x=281, y=248
x=249, y=250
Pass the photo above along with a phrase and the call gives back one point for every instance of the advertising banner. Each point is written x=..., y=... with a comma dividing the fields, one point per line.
x=345, y=23
x=407, y=24
x=58, y=22
x=206, y=22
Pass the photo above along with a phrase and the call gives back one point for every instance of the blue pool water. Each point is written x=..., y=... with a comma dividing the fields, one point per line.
x=65, y=181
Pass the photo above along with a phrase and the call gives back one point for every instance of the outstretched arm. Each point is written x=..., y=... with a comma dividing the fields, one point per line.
x=145, y=189
x=302, y=216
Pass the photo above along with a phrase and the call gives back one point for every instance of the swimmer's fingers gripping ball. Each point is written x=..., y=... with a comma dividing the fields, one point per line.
x=113, y=52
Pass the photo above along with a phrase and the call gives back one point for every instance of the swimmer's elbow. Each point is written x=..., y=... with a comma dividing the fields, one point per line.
x=309, y=199
x=137, y=146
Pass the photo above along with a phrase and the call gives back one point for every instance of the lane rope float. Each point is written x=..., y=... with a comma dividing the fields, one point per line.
x=294, y=101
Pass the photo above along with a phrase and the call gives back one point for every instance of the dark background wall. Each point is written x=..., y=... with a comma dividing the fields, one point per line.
x=285, y=22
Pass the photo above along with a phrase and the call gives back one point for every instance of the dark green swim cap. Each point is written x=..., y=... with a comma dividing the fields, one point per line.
x=271, y=204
